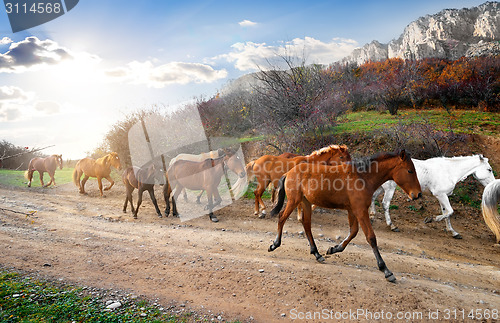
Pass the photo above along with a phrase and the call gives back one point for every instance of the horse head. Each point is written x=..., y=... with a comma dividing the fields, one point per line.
x=59, y=161
x=114, y=160
x=405, y=176
x=235, y=164
x=339, y=154
x=483, y=173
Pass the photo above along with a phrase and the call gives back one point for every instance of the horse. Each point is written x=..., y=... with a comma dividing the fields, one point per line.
x=268, y=169
x=205, y=175
x=100, y=168
x=47, y=164
x=439, y=175
x=491, y=197
x=142, y=179
x=201, y=157
x=348, y=186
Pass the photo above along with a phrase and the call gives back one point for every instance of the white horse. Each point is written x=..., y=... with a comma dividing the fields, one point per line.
x=491, y=197
x=439, y=175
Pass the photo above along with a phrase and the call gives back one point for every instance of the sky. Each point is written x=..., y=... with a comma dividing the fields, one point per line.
x=66, y=82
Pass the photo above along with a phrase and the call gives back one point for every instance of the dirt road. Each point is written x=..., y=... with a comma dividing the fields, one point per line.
x=225, y=268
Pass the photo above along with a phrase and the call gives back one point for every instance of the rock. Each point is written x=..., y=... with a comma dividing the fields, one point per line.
x=114, y=305
x=449, y=34
x=261, y=270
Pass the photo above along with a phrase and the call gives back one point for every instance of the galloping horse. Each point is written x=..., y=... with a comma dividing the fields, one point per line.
x=439, y=175
x=100, y=168
x=269, y=169
x=349, y=186
x=143, y=179
x=205, y=175
x=47, y=164
x=491, y=197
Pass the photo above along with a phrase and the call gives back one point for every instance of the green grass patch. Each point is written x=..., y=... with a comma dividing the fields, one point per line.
x=251, y=187
x=461, y=121
x=16, y=177
x=24, y=299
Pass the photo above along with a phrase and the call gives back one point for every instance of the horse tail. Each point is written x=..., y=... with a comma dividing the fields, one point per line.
x=29, y=171
x=76, y=180
x=491, y=197
x=281, y=196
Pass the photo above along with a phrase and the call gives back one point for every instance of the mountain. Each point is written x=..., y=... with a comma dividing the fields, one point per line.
x=450, y=34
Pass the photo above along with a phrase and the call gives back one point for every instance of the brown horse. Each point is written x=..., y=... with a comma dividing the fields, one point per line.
x=47, y=164
x=350, y=187
x=100, y=168
x=144, y=180
x=269, y=169
x=205, y=175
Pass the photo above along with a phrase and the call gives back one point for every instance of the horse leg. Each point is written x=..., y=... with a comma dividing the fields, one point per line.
x=444, y=202
x=111, y=183
x=153, y=199
x=128, y=197
x=140, y=190
x=167, y=190
x=306, y=223
x=261, y=187
x=354, y=227
x=30, y=177
x=366, y=226
x=210, y=205
x=51, y=180
x=99, y=182
x=82, y=184
x=198, y=198
x=40, y=173
x=290, y=206
x=386, y=204
x=376, y=194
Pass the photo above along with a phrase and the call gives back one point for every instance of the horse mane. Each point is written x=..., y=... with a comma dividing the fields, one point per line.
x=363, y=164
x=327, y=149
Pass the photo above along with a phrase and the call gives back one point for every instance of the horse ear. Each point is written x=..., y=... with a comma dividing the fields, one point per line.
x=402, y=154
x=481, y=157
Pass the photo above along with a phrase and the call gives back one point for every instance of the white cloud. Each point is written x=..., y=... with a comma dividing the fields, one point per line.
x=31, y=53
x=249, y=55
x=47, y=107
x=162, y=75
x=247, y=23
x=17, y=104
x=5, y=41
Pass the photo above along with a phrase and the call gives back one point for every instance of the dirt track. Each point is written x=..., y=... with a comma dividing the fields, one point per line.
x=225, y=268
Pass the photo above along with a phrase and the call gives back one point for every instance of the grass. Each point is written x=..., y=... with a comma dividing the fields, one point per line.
x=462, y=121
x=24, y=299
x=16, y=178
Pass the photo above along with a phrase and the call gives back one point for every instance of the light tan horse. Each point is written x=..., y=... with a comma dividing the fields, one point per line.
x=491, y=197
x=268, y=169
x=349, y=186
x=47, y=164
x=100, y=168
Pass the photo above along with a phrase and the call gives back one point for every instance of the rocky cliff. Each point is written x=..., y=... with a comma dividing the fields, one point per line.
x=450, y=34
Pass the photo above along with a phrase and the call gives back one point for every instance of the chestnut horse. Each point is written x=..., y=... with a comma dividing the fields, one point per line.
x=205, y=175
x=47, y=164
x=350, y=187
x=268, y=169
x=144, y=180
x=100, y=168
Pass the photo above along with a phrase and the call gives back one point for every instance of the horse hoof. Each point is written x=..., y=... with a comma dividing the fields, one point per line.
x=391, y=278
x=394, y=229
x=271, y=248
x=457, y=236
x=262, y=216
x=321, y=259
x=331, y=250
x=213, y=218
x=428, y=219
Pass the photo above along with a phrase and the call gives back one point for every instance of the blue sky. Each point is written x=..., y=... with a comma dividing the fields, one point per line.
x=85, y=70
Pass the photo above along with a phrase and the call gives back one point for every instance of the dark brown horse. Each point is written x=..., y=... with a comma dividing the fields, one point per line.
x=205, y=175
x=47, y=164
x=349, y=186
x=142, y=179
x=269, y=169
x=100, y=168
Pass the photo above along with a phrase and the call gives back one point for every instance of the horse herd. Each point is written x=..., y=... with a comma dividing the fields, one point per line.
x=327, y=178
